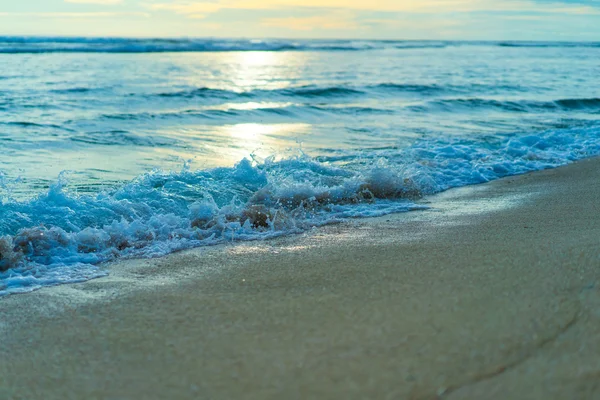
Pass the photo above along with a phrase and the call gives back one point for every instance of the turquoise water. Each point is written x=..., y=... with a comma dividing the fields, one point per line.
x=122, y=148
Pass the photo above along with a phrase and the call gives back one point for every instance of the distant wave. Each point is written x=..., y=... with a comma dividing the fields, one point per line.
x=120, y=137
x=202, y=92
x=573, y=104
x=313, y=91
x=34, y=125
x=422, y=45
x=414, y=88
x=548, y=44
x=296, y=103
x=286, y=111
x=351, y=110
x=523, y=106
x=71, y=90
x=18, y=45
x=301, y=91
x=306, y=110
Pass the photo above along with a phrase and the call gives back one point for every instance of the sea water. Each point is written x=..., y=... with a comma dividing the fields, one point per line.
x=114, y=148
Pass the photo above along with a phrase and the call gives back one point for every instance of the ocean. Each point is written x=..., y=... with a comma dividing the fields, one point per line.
x=120, y=148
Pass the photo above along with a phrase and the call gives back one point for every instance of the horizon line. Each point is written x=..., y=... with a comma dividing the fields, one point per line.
x=288, y=38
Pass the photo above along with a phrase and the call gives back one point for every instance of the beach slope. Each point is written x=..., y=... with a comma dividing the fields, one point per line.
x=492, y=293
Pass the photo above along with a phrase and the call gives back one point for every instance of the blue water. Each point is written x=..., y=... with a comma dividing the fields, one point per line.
x=136, y=148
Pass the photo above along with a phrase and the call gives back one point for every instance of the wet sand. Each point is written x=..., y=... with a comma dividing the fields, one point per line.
x=493, y=293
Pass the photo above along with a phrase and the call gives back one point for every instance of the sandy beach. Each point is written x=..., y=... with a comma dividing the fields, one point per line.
x=493, y=293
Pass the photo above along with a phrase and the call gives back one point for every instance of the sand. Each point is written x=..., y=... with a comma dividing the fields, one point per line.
x=493, y=293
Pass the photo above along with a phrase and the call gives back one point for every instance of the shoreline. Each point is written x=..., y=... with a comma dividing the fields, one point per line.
x=492, y=293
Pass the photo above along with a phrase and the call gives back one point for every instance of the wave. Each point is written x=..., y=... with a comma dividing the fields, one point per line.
x=19, y=45
x=519, y=106
x=35, y=125
x=61, y=237
x=286, y=110
x=548, y=44
x=308, y=91
x=74, y=90
x=577, y=104
x=431, y=89
x=314, y=91
x=342, y=91
x=203, y=92
x=351, y=110
x=422, y=45
x=123, y=138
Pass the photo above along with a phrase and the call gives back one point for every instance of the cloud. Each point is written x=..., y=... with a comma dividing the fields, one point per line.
x=194, y=7
x=73, y=15
x=526, y=17
x=407, y=23
x=393, y=19
x=377, y=5
x=102, y=2
x=410, y=6
x=373, y=18
x=333, y=21
x=191, y=10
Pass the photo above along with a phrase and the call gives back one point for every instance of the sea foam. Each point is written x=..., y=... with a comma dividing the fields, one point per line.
x=60, y=237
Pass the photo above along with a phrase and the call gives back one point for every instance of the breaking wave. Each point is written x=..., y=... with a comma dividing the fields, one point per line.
x=60, y=237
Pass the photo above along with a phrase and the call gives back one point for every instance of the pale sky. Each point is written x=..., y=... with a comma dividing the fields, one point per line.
x=566, y=20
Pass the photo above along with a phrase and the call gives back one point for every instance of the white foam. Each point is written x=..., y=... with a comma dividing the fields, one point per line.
x=58, y=237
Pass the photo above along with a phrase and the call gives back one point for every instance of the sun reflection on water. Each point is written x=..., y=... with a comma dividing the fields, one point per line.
x=242, y=135
x=251, y=105
x=261, y=139
x=264, y=70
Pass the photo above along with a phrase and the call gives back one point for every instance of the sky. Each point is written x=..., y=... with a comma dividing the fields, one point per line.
x=560, y=20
